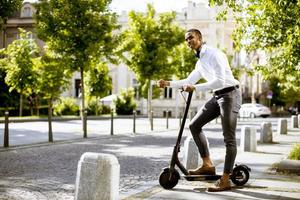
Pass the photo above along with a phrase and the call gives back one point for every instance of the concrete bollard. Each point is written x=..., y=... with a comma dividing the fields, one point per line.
x=294, y=121
x=282, y=127
x=98, y=177
x=248, y=139
x=266, y=134
x=191, y=157
x=299, y=121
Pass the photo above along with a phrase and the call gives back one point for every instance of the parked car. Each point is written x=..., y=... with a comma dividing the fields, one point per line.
x=254, y=110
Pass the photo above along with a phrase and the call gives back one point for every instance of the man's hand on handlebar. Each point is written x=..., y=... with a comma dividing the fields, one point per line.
x=162, y=83
x=188, y=88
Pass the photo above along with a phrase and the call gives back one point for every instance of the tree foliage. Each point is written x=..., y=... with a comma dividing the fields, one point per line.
x=8, y=99
x=20, y=74
x=53, y=75
x=7, y=8
x=149, y=42
x=273, y=26
x=98, y=81
x=80, y=31
x=125, y=103
x=184, y=61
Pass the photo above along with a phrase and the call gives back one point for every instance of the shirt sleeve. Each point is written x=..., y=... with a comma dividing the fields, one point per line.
x=220, y=61
x=193, y=77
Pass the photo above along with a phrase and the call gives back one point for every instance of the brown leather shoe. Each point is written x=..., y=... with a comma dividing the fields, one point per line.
x=219, y=186
x=203, y=171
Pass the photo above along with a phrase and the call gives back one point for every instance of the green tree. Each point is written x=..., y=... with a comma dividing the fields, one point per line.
x=274, y=27
x=7, y=8
x=53, y=78
x=19, y=65
x=148, y=43
x=8, y=99
x=125, y=103
x=184, y=61
x=99, y=83
x=80, y=31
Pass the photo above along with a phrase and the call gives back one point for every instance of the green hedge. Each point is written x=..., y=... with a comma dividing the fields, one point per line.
x=125, y=103
x=66, y=106
x=295, y=152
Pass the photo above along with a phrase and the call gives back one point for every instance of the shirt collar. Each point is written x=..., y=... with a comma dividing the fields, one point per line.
x=202, y=51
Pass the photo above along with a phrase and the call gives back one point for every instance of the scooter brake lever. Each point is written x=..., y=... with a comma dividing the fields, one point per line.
x=181, y=92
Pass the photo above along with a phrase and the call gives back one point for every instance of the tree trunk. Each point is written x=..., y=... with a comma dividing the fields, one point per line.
x=31, y=108
x=37, y=106
x=97, y=100
x=50, y=133
x=149, y=100
x=83, y=115
x=21, y=105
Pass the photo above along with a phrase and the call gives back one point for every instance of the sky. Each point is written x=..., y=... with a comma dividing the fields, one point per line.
x=141, y=5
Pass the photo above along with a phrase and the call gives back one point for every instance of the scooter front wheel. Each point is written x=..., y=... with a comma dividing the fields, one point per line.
x=240, y=175
x=167, y=179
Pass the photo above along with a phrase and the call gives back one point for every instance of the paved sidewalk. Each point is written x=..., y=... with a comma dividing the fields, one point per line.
x=264, y=182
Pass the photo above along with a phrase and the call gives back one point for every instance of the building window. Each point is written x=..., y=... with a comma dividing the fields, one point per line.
x=77, y=87
x=168, y=93
x=135, y=85
x=165, y=112
x=26, y=12
x=185, y=15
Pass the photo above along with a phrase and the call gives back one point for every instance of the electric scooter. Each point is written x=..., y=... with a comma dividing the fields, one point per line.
x=169, y=176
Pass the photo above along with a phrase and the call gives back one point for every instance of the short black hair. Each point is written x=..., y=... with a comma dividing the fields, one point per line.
x=196, y=31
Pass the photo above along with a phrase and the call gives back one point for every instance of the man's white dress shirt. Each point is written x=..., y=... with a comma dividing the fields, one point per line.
x=213, y=66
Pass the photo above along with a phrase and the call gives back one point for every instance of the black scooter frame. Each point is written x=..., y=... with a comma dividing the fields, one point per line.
x=176, y=150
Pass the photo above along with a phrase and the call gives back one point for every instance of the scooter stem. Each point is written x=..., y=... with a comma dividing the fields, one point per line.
x=176, y=150
x=186, y=110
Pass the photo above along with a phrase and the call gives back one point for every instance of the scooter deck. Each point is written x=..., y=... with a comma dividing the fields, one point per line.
x=202, y=177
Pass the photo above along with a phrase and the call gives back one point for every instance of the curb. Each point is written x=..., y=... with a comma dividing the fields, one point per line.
x=287, y=165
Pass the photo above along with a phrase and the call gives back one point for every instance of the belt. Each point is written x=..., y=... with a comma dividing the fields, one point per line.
x=226, y=90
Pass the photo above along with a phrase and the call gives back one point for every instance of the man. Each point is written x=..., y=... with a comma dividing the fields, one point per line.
x=213, y=66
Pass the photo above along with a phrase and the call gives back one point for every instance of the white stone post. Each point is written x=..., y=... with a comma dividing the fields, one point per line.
x=294, y=121
x=266, y=134
x=282, y=127
x=97, y=177
x=191, y=157
x=299, y=121
x=248, y=139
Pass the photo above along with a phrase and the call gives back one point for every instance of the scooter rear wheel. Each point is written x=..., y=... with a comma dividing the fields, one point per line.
x=168, y=181
x=240, y=175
